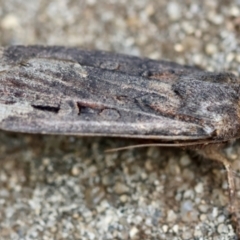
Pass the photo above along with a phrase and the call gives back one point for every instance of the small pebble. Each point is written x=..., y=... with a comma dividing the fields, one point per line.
x=234, y=11
x=123, y=198
x=214, y=212
x=222, y=228
x=178, y=47
x=9, y=22
x=230, y=57
x=175, y=228
x=203, y=217
x=189, y=194
x=171, y=216
x=75, y=171
x=199, y=188
x=120, y=188
x=221, y=219
x=211, y=48
x=133, y=232
x=185, y=160
x=203, y=208
x=174, y=11
x=165, y=228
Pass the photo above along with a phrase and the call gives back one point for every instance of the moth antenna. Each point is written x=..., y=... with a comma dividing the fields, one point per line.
x=156, y=145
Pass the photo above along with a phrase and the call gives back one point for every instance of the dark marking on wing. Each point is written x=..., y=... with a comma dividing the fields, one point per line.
x=46, y=108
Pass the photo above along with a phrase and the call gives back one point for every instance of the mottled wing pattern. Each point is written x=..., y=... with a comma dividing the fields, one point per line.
x=59, y=90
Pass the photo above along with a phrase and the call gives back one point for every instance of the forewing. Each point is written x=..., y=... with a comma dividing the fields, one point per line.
x=55, y=93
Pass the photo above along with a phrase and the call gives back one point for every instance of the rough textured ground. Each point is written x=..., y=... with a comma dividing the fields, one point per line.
x=55, y=187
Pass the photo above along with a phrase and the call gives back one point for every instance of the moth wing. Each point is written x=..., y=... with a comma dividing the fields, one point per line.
x=57, y=96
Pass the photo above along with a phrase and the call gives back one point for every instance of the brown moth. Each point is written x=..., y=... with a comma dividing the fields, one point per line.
x=59, y=90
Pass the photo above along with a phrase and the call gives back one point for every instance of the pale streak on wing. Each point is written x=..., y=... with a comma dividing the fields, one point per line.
x=21, y=109
x=47, y=124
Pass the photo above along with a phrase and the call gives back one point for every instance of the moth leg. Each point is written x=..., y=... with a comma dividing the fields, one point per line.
x=213, y=153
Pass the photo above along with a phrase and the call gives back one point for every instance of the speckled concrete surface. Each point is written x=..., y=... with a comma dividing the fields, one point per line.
x=55, y=187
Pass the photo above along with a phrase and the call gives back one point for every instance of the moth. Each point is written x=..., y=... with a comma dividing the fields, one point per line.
x=60, y=90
